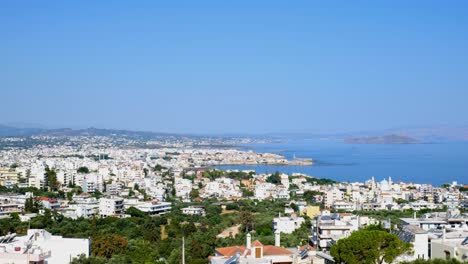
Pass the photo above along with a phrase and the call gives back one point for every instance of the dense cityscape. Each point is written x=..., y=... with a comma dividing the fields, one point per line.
x=233, y=132
x=84, y=199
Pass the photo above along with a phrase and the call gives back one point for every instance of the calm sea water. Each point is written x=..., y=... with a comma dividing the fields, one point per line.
x=420, y=163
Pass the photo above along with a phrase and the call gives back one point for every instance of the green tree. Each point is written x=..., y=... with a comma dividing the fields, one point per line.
x=247, y=220
x=309, y=196
x=83, y=169
x=82, y=259
x=295, y=207
x=108, y=245
x=176, y=256
x=50, y=179
x=142, y=251
x=194, y=193
x=274, y=178
x=135, y=212
x=151, y=230
x=31, y=205
x=247, y=193
x=369, y=246
x=158, y=167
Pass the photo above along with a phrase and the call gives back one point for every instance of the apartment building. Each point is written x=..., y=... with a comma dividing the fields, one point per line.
x=191, y=210
x=286, y=224
x=39, y=246
x=111, y=206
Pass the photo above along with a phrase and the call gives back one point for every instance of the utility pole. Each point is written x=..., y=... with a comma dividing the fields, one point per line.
x=183, y=250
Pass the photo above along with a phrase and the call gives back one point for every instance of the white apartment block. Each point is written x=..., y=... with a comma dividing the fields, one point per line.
x=333, y=195
x=285, y=180
x=343, y=205
x=154, y=208
x=111, y=207
x=418, y=237
x=183, y=187
x=445, y=248
x=287, y=225
x=264, y=190
x=75, y=211
x=39, y=246
x=328, y=228
x=193, y=211
x=49, y=203
x=222, y=187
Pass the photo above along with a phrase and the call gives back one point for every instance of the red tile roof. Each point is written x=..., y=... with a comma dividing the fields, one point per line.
x=43, y=198
x=257, y=243
x=230, y=251
x=267, y=250
x=274, y=251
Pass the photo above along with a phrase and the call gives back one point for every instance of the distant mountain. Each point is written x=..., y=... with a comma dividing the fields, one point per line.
x=436, y=133
x=388, y=139
x=420, y=134
x=429, y=134
x=9, y=131
x=103, y=132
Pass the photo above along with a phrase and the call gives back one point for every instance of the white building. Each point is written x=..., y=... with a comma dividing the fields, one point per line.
x=418, y=237
x=183, y=187
x=191, y=210
x=39, y=246
x=333, y=195
x=343, y=205
x=154, y=208
x=281, y=193
x=329, y=228
x=287, y=225
x=285, y=180
x=75, y=211
x=450, y=219
x=264, y=190
x=90, y=183
x=111, y=207
x=49, y=203
x=222, y=187
x=450, y=248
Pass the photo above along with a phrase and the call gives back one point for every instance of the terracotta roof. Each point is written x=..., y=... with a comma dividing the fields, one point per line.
x=230, y=251
x=257, y=243
x=274, y=250
x=267, y=250
x=43, y=198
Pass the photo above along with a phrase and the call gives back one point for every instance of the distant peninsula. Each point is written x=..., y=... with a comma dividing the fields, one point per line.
x=388, y=139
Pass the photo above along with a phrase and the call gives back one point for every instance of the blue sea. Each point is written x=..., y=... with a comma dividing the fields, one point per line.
x=435, y=163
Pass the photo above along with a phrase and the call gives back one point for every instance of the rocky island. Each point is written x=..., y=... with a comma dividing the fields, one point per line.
x=388, y=139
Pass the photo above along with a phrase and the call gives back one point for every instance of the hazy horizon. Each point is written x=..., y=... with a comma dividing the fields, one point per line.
x=241, y=67
x=370, y=132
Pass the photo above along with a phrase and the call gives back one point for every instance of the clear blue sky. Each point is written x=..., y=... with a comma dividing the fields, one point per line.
x=234, y=66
